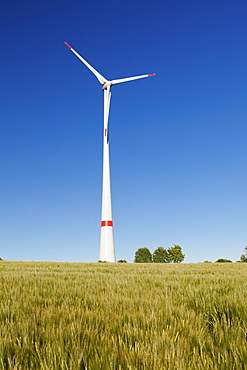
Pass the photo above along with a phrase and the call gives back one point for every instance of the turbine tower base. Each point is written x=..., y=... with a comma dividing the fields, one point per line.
x=107, y=252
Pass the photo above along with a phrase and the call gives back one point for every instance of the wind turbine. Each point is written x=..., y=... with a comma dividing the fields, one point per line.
x=107, y=250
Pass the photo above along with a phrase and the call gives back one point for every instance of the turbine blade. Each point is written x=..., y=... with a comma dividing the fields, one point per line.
x=120, y=80
x=101, y=78
x=107, y=100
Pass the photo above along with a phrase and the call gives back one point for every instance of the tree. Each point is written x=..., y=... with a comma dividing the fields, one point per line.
x=143, y=255
x=175, y=254
x=161, y=255
x=243, y=257
x=223, y=260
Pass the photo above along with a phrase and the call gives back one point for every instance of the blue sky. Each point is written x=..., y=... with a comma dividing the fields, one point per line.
x=177, y=140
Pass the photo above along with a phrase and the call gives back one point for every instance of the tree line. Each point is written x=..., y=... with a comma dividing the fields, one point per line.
x=160, y=255
x=172, y=254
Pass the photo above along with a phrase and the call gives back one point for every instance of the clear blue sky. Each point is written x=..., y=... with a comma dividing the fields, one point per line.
x=178, y=139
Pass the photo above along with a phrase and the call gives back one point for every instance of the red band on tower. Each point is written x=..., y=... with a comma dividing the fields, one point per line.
x=106, y=223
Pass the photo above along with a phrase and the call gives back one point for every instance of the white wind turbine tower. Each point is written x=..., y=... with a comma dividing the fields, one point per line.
x=107, y=251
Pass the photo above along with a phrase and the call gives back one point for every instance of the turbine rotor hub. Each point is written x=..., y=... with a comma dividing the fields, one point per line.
x=106, y=85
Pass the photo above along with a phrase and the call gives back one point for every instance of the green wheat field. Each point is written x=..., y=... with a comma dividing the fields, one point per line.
x=123, y=316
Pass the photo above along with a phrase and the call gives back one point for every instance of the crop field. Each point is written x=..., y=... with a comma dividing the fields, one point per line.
x=123, y=316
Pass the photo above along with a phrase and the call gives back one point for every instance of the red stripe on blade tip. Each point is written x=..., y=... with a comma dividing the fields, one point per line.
x=67, y=45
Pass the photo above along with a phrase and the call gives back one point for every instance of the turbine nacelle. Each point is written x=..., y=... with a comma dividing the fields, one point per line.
x=106, y=85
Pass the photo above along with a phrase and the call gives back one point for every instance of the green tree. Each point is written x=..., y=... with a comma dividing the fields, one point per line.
x=223, y=260
x=175, y=254
x=243, y=257
x=161, y=255
x=143, y=255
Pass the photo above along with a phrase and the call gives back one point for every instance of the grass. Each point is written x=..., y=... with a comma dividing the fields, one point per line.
x=123, y=316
